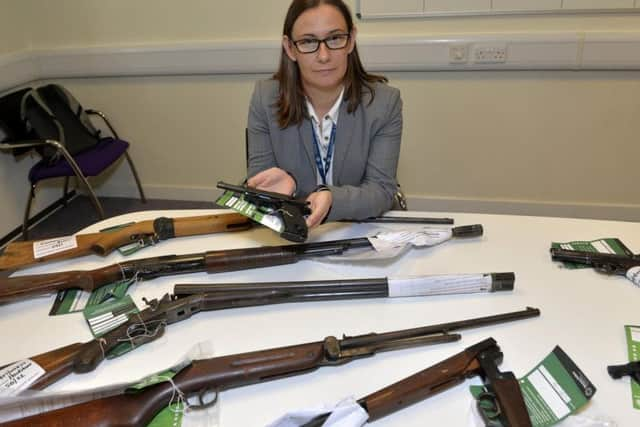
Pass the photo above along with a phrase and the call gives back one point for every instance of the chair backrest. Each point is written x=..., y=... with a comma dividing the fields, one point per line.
x=51, y=112
x=12, y=127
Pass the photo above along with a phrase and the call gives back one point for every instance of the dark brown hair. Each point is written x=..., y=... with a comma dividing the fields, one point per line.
x=291, y=101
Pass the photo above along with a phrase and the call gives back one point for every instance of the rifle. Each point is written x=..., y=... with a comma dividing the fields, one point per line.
x=14, y=288
x=503, y=393
x=631, y=369
x=21, y=254
x=403, y=220
x=226, y=372
x=382, y=287
x=605, y=263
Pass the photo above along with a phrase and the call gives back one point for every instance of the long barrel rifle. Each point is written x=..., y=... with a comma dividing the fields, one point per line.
x=15, y=288
x=226, y=372
x=21, y=254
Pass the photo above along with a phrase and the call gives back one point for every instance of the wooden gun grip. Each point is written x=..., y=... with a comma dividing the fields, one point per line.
x=510, y=401
x=15, y=288
x=243, y=259
x=57, y=364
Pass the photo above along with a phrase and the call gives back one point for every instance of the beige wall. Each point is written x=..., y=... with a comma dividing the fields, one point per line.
x=542, y=138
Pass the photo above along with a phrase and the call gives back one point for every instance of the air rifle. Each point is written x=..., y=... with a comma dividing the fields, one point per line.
x=15, y=288
x=20, y=254
x=623, y=265
x=503, y=392
x=226, y=372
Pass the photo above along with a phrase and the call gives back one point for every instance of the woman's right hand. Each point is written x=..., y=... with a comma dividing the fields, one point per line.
x=275, y=180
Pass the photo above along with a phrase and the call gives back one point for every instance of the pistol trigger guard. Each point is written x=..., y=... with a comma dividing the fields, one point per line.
x=488, y=405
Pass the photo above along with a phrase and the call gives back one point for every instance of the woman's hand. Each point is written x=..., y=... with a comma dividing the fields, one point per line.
x=320, y=203
x=275, y=180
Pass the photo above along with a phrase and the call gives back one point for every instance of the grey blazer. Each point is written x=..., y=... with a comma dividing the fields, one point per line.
x=365, y=156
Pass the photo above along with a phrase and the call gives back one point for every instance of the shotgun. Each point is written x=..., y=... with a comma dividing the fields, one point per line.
x=21, y=254
x=15, y=288
x=503, y=393
x=378, y=287
x=226, y=372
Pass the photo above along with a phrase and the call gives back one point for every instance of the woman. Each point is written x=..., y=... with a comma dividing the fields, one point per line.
x=322, y=128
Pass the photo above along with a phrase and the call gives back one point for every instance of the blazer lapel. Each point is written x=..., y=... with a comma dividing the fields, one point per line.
x=346, y=123
x=304, y=131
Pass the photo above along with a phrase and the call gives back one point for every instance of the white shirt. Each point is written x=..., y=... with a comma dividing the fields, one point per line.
x=322, y=129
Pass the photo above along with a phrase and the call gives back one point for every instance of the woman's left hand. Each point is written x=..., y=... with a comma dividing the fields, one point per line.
x=319, y=203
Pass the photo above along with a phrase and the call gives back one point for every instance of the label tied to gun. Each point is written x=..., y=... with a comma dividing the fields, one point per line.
x=44, y=248
x=261, y=215
x=19, y=376
x=633, y=274
x=633, y=348
x=439, y=285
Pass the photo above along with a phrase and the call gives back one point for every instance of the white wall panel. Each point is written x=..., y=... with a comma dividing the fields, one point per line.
x=597, y=4
x=391, y=7
x=456, y=5
x=500, y=5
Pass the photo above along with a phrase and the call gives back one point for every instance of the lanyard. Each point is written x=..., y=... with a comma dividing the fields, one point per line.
x=316, y=151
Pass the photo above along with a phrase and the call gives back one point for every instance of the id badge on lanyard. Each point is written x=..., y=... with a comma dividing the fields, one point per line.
x=323, y=164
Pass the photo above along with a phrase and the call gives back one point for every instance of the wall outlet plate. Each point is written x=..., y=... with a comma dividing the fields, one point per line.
x=493, y=53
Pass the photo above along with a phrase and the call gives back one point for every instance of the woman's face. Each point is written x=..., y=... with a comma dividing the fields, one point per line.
x=325, y=68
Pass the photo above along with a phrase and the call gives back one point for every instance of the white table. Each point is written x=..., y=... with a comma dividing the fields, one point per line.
x=582, y=311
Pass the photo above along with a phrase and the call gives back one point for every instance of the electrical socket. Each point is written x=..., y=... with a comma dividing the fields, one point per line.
x=494, y=53
x=458, y=54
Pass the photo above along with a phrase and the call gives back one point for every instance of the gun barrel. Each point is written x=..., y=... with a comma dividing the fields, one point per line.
x=369, y=339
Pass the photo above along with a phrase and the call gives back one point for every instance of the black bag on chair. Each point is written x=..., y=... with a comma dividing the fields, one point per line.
x=51, y=112
x=12, y=127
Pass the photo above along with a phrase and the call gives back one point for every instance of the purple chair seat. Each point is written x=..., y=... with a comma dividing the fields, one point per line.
x=91, y=162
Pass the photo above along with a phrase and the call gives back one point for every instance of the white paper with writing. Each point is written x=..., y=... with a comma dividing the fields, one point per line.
x=633, y=274
x=43, y=248
x=391, y=244
x=346, y=413
x=19, y=376
x=439, y=285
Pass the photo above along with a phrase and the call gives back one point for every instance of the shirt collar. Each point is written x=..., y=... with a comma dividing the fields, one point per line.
x=333, y=112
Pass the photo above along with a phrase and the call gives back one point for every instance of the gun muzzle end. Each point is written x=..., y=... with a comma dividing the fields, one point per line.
x=502, y=281
x=474, y=230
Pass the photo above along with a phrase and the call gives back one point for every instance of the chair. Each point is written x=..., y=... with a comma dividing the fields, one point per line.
x=88, y=163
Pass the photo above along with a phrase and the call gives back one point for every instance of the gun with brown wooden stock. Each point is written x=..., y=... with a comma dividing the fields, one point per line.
x=151, y=323
x=502, y=394
x=21, y=254
x=15, y=288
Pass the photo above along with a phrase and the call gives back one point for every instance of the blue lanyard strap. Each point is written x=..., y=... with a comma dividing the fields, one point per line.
x=323, y=165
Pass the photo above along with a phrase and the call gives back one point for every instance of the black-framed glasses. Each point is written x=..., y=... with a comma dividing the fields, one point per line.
x=333, y=42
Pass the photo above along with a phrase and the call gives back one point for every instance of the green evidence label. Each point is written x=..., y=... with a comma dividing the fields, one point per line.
x=552, y=391
x=236, y=202
x=633, y=347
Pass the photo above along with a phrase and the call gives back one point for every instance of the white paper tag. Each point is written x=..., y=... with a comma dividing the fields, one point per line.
x=443, y=284
x=346, y=413
x=424, y=237
x=19, y=376
x=633, y=274
x=43, y=248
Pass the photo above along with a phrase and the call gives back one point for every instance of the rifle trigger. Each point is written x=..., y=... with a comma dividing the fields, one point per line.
x=201, y=395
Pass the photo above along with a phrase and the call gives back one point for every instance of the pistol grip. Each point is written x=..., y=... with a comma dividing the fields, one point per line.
x=295, y=226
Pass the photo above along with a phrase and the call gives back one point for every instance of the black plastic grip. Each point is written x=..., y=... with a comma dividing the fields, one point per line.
x=464, y=231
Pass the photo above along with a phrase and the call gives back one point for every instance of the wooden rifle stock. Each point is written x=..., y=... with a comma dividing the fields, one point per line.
x=215, y=374
x=21, y=254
